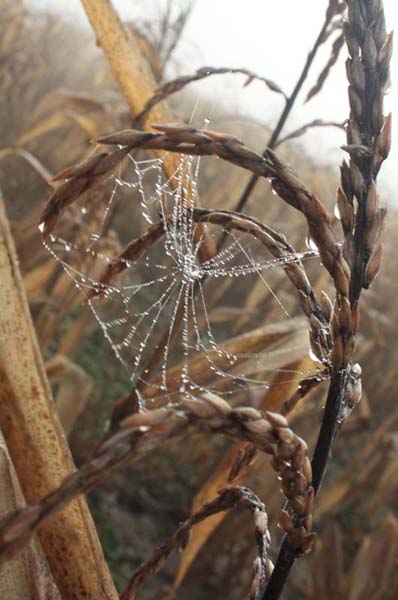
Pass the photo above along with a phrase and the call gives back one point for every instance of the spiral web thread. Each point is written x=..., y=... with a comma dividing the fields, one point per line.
x=135, y=311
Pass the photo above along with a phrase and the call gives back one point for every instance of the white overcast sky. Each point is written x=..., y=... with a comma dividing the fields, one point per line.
x=272, y=38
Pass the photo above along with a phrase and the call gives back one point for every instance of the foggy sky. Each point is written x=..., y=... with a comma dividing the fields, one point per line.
x=271, y=38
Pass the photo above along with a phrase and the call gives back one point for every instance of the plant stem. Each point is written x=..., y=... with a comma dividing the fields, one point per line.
x=286, y=111
x=327, y=434
x=369, y=50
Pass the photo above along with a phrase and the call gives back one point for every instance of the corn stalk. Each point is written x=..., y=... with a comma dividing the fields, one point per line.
x=36, y=442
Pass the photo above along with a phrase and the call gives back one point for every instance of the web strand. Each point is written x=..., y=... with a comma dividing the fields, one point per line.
x=135, y=311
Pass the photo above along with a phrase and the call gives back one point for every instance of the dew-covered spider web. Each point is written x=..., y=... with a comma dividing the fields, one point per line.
x=178, y=322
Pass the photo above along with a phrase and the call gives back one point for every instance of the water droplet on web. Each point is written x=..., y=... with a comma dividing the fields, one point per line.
x=337, y=212
x=42, y=226
x=140, y=306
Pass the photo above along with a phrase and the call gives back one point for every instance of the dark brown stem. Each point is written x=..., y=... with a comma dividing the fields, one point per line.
x=368, y=137
x=327, y=434
x=286, y=110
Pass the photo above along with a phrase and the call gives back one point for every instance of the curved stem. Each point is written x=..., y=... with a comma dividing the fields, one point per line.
x=286, y=110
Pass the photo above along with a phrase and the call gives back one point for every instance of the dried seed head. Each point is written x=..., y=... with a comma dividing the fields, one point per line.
x=326, y=304
x=355, y=316
x=308, y=522
x=285, y=435
x=199, y=408
x=285, y=452
x=351, y=40
x=346, y=211
x=373, y=266
x=309, y=500
x=371, y=202
x=288, y=489
x=383, y=144
x=276, y=419
x=354, y=134
x=219, y=405
x=348, y=249
x=150, y=418
x=344, y=314
x=385, y=53
x=261, y=521
x=341, y=273
x=285, y=521
x=246, y=413
x=357, y=75
x=278, y=464
x=307, y=543
x=337, y=357
x=259, y=427
x=357, y=181
x=300, y=453
x=369, y=50
x=289, y=474
x=346, y=181
x=300, y=485
x=355, y=103
x=307, y=469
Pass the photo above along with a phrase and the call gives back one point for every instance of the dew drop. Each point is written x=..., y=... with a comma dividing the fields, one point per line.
x=337, y=212
x=42, y=226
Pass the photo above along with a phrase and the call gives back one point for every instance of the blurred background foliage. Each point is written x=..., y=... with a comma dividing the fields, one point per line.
x=57, y=94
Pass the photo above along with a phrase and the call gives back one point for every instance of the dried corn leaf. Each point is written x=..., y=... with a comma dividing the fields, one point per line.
x=32, y=430
x=26, y=576
x=281, y=342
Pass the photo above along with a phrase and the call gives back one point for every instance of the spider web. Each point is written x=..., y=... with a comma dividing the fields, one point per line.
x=167, y=303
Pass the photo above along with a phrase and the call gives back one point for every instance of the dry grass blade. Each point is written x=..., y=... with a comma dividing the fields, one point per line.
x=32, y=160
x=228, y=498
x=294, y=340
